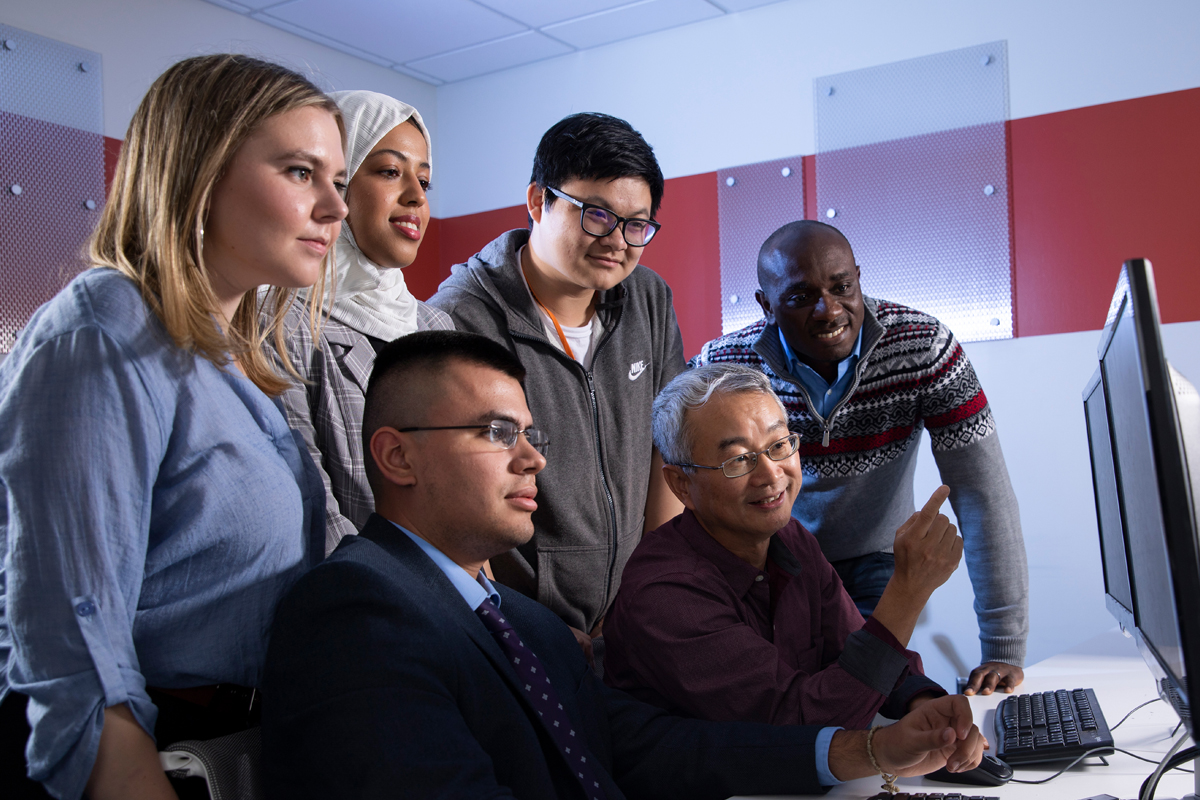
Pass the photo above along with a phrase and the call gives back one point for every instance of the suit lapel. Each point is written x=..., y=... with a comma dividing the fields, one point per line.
x=445, y=597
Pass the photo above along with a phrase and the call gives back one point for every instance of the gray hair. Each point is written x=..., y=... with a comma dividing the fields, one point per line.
x=692, y=389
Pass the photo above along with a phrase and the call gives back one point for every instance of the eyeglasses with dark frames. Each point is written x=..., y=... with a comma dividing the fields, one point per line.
x=500, y=431
x=745, y=463
x=598, y=221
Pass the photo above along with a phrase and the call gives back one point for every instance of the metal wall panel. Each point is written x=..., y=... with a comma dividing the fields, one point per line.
x=912, y=166
x=51, y=170
x=753, y=202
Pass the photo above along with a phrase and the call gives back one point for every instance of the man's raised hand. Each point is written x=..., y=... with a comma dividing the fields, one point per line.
x=927, y=549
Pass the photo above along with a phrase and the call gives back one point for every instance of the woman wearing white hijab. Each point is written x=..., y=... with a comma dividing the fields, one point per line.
x=388, y=162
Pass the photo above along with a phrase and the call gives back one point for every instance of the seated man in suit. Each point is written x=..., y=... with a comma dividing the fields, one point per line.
x=730, y=611
x=397, y=669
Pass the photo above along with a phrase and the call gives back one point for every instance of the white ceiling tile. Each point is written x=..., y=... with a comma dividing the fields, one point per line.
x=741, y=5
x=491, y=56
x=421, y=76
x=537, y=13
x=399, y=32
x=257, y=5
x=241, y=8
x=631, y=20
x=319, y=39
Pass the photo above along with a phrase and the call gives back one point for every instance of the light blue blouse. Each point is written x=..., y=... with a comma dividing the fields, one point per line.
x=153, y=509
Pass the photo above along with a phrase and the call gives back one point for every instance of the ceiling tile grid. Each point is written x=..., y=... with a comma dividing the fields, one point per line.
x=452, y=40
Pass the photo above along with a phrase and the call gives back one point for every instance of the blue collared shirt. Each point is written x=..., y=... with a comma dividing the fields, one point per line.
x=473, y=590
x=153, y=509
x=824, y=397
x=476, y=590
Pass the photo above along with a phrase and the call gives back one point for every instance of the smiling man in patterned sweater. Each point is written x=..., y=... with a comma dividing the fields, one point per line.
x=861, y=378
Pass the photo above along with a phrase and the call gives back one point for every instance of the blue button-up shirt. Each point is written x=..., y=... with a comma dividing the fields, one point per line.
x=153, y=509
x=824, y=397
x=475, y=591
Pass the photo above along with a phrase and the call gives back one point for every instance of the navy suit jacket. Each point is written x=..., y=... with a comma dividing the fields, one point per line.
x=381, y=682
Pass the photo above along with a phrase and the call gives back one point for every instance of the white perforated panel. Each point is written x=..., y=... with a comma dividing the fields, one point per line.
x=51, y=81
x=760, y=200
x=912, y=166
x=51, y=169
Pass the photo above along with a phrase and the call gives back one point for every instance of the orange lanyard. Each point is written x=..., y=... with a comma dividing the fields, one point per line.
x=561, y=336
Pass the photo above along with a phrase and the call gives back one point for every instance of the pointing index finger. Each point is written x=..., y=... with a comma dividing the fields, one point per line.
x=929, y=511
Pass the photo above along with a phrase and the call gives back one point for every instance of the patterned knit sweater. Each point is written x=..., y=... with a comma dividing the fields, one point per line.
x=858, y=464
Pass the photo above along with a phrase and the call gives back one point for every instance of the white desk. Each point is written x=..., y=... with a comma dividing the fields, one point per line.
x=1112, y=666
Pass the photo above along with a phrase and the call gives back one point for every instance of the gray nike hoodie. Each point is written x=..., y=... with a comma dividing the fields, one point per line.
x=592, y=493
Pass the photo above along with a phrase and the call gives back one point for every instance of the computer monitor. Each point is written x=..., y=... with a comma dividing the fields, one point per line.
x=1144, y=434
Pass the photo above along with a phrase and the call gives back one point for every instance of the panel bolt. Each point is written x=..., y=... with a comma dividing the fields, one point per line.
x=83, y=67
x=829, y=91
x=9, y=44
x=831, y=213
x=730, y=181
x=786, y=172
x=733, y=299
x=989, y=190
x=985, y=60
x=90, y=205
x=994, y=321
x=16, y=188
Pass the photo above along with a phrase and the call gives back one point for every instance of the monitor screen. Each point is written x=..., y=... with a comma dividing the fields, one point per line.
x=1113, y=548
x=1143, y=482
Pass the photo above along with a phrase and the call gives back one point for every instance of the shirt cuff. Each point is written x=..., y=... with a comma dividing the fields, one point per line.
x=1005, y=649
x=824, y=776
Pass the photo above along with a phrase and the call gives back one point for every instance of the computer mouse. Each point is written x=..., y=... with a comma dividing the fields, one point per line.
x=990, y=772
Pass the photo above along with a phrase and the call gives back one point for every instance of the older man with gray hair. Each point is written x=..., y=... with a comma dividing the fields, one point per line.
x=729, y=611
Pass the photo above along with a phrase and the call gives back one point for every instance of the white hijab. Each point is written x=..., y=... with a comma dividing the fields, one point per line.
x=371, y=299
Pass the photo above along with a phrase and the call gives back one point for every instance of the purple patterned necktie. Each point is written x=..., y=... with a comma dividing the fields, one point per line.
x=537, y=687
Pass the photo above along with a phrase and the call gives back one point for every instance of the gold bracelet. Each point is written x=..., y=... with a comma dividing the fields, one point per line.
x=889, y=780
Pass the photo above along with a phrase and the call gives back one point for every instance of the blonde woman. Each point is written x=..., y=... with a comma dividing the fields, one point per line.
x=390, y=167
x=153, y=502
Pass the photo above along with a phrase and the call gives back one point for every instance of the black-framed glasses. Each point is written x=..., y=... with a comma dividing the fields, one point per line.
x=598, y=221
x=500, y=431
x=745, y=463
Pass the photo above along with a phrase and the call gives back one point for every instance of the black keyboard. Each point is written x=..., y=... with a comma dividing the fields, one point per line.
x=930, y=796
x=1050, y=726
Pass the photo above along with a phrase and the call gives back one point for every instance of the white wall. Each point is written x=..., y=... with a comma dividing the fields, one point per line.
x=138, y=39
x=738, y=89
x=1035, y=386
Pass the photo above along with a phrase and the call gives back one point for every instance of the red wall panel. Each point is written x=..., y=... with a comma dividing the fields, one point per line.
x=423, y=275
x=687, y=254
x=112, y=150
x=1098, y=185
x=463, y=237
x=810, y=187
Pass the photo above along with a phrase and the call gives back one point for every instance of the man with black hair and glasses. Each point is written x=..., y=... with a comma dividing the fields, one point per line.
x=598, y=337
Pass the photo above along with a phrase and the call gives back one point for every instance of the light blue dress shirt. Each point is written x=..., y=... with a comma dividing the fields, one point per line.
x=824, y=397
x=153, y=509
x=476, y=591
x=473, y=590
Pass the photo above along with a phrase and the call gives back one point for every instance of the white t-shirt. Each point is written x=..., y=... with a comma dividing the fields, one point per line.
x=581, y=339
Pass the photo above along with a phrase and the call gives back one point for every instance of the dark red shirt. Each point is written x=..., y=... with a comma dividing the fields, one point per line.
x=698, y=631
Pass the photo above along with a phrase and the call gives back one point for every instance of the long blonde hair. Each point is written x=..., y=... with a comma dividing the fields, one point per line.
x=185, y=131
